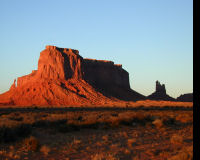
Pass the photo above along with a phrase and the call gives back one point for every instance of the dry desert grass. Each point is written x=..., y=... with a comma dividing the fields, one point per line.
x=96, y=134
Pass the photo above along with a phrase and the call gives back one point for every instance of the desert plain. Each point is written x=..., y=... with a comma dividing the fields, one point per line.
x=97, y=133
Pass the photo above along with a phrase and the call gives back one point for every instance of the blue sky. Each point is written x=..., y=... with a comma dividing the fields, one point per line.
x=153, y=40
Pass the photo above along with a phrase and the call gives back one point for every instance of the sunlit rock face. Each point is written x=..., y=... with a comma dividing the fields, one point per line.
x=160, y=93
x=55, y=64
x=59, y=63
x=64, y=77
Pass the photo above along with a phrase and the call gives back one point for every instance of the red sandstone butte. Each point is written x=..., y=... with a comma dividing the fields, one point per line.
x=65, y=78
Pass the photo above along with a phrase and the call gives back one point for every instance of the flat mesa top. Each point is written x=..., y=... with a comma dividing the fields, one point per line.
x=49, y=47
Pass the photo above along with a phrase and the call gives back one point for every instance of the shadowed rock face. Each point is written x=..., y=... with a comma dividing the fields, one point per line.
x=160, y=93
x=65, y=78
x=105, y=74
x=160, y=88
x=185, y=97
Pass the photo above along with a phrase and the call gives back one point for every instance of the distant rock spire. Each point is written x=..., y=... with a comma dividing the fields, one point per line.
x=160, y=88
x=160, y=93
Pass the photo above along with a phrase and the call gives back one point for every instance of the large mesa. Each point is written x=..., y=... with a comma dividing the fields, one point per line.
x=64, y=77
x=64, y=63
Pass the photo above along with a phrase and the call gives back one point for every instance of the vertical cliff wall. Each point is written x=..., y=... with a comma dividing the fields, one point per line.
x=105, y=74
x=59, y=63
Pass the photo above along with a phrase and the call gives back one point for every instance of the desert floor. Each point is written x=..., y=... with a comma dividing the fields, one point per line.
x=96, y=134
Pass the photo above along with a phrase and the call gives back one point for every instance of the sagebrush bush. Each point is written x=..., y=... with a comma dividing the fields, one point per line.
x=45, y=150
x=8, y=134
x=176, y=139
x=184, y=118
x=101, y=156
x=184, y=154
x=131, y=141
x=31, y=143
x=158, y=123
